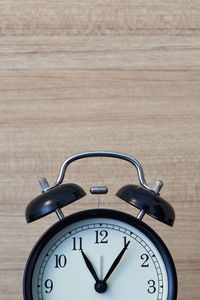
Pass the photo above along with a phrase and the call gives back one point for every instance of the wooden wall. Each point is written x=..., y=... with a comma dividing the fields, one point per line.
x=99, y=75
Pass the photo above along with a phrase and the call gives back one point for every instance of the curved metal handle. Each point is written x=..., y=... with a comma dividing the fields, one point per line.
x=119, y=155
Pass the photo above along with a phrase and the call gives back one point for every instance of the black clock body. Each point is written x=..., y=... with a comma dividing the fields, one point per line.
x=108, y=214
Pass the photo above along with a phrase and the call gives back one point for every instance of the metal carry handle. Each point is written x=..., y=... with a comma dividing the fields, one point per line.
x=118, y=155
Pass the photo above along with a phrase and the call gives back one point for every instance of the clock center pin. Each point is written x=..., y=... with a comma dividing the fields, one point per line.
x=100, y=286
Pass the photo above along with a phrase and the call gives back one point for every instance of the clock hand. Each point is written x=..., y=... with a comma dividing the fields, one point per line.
x=101, y=267
x=100, y=286
x=116, y=261
x=90, y=266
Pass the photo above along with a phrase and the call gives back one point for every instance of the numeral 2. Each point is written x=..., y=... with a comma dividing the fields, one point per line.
x=144, y=257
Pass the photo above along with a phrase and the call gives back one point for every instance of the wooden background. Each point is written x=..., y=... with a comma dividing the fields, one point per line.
x=99, y=75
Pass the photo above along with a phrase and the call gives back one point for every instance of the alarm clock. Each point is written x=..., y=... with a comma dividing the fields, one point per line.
x=100, y=254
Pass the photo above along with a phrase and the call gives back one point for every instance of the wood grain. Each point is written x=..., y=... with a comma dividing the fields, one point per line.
x=107, y=75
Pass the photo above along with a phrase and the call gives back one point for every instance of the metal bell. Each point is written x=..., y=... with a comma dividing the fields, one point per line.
x=148, y=202
x=54, y=199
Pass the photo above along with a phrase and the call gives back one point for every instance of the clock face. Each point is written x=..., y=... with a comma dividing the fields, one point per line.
x=99, y=254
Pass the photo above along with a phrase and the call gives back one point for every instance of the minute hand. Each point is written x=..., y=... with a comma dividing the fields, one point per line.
x=116, y=261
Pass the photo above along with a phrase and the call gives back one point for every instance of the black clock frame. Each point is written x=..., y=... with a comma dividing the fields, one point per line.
x=106, y=213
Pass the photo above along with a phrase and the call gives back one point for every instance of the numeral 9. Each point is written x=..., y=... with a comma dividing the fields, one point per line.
x=48, y=285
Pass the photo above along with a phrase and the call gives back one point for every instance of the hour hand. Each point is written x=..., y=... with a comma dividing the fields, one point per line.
x=116, y=262
x=100, y=286
x=90, y=266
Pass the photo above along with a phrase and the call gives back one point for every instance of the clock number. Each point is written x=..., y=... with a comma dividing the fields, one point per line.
x=101, y=237
x=48, y=285
x=144, y=257
x=125, y=241
x=152, y=288
x=77, y=243
x=61, y=261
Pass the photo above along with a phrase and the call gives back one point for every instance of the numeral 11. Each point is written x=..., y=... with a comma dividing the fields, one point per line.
x=77, y=243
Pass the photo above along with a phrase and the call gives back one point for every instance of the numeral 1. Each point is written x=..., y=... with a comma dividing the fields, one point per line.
x=125, y=241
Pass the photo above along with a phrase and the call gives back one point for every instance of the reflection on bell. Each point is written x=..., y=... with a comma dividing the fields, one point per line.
x=148, y=202
x=55, y=198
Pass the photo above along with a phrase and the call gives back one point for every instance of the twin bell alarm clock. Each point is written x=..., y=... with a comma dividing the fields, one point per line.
x=100, y=254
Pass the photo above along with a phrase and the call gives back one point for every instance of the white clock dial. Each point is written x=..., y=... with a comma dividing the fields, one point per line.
x=61, y=272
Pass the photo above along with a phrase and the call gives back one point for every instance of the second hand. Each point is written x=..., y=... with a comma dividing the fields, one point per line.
x=101, y=267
